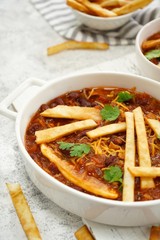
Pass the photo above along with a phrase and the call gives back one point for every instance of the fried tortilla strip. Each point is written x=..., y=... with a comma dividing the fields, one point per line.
x=77, y=5
x=131, y=6
x=50, y=134
x=155, y=125
x=98, y=10
x=23, y=211
x=71, y=45
x=73, y=112
x=110, y=3
x=150, y=44
x=106, y=130
x=83, y=233
x=128, y=179
x=152, y=172
x=143, y=148
x=89, y=183
x=154, y=233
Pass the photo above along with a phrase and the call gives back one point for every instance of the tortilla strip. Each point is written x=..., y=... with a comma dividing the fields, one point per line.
x=84, y=181
x=73, y=112
x=77, y=6
x=145, y=171
x=83, y=233
x=150, y=44
x=23, y=211
x=143, y=148
x=155, y=125
x=51, y=134
x=98, y=10
x=128, y=179
x=154, y=233
x=132, y=6
x=107, y=129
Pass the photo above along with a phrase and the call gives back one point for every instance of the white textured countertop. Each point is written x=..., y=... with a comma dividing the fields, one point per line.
x=24, y=38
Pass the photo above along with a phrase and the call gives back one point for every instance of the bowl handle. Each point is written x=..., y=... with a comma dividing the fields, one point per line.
x=10, y=106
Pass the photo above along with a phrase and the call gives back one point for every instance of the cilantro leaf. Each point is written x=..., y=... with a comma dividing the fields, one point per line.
x=158, y=136
x=124, y=96
x=153, y=54
x=65, y=145
x=76, y=149
x=110, y=113
x=79, y=149
x=113, y=174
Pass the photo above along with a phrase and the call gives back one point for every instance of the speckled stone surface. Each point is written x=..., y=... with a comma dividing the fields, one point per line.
x=24, y=38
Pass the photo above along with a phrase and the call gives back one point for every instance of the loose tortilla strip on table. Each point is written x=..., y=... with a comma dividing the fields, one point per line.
x=155, y=125
x=71, y=45
x=107, y=129
x=131, y=6
x=128, y=179
x=73, y=112
x=83, y=233
x=84, y=181
x=23, y=211
x=152, y=172
x=143, y=148
x=154, y=233
x=50, y=134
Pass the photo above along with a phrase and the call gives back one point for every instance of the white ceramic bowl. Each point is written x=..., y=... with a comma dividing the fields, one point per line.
x=90, y=207
x=102, y=23
x=146, y=67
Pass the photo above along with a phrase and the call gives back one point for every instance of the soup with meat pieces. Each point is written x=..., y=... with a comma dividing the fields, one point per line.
x=151, y=48
x=96, y=139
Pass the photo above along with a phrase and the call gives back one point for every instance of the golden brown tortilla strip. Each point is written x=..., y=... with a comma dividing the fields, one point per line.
x=128, y=179
x=73, y=112
x=89, y=183
x=83, y=233
x=143, y=148
x=150, y=44
x=98, y=10
x=152, y=172
x=51, y=134
x=131, y=6
x=77, y=6
x=155, y=125
x=107, y=129
x=155, y=233
x=23, y=211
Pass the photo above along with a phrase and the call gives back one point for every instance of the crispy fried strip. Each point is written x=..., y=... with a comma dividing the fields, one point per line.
x=71, y=45
x=50, y=134
x=23, y=211
x=152, y=172
x=107, y=129
x=131, y=6
x=77, y=5
x=110, y=3
x=84, y=181
x=128, y=179
x=143, y=148
x=150, y=44
x=98, y=10
x=155, y=125
x=83, y=233
x=73, y=112
x=154, y=233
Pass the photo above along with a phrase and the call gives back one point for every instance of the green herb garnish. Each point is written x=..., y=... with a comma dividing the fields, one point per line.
x=153, y=54
x=124, y=96
x=113, y=174
x=110, y=113
x=76, y=149
x=158, y=136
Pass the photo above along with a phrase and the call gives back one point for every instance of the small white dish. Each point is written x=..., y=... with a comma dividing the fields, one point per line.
x=102, y=23
x=147, y=68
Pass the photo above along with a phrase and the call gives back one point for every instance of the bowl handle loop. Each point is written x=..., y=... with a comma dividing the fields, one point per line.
x=10, y=106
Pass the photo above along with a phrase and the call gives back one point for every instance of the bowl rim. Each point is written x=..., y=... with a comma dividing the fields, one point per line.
x=138, y=46
x=104, y=18
x=52, y=180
